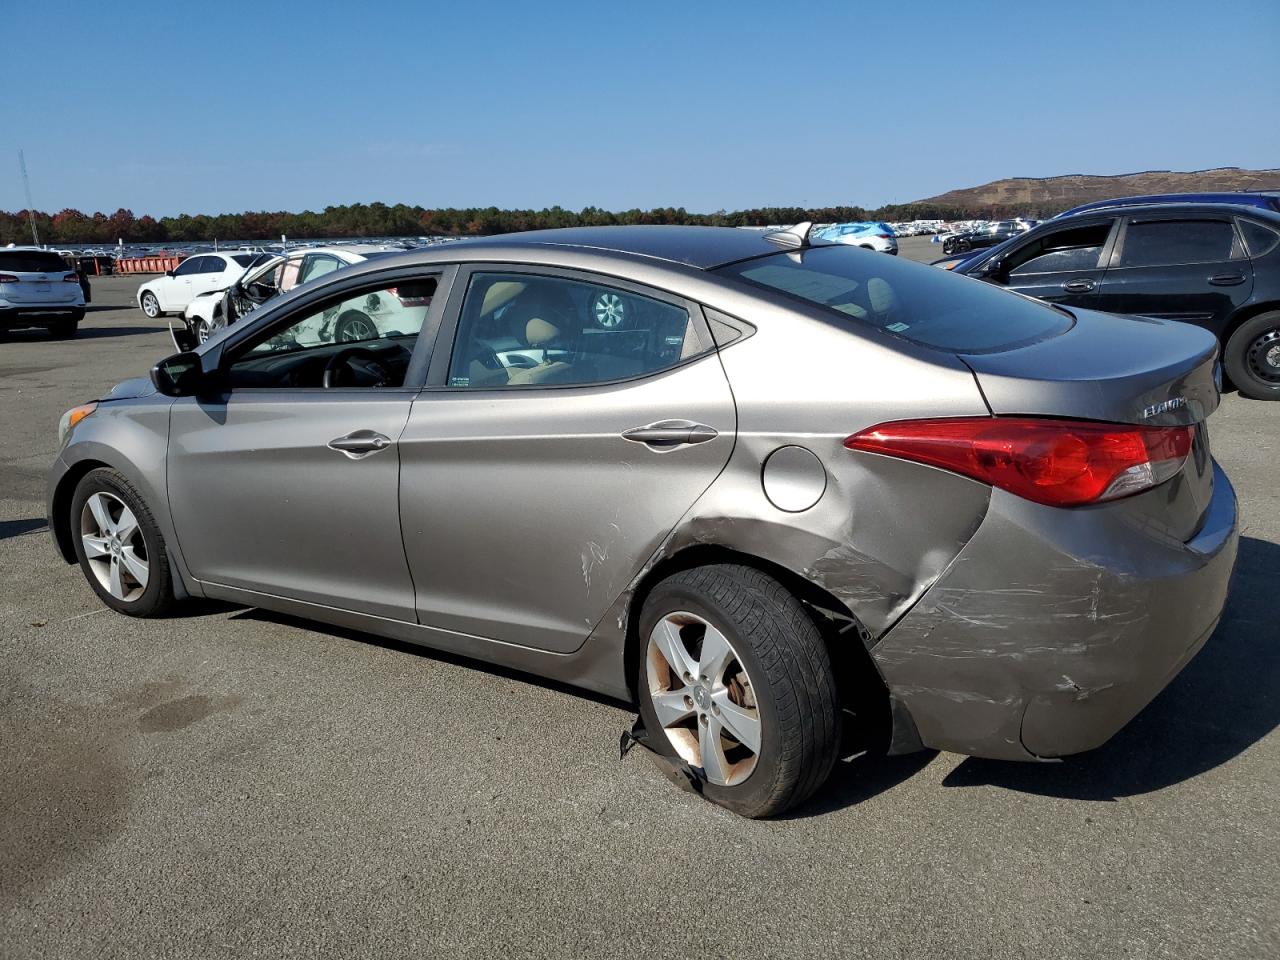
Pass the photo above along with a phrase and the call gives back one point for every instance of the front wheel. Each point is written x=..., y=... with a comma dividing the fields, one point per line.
x=354, y=325
x=206, y=328
x=1252, y=357
x=736, y=681
x=119, y=545
x=151, y=306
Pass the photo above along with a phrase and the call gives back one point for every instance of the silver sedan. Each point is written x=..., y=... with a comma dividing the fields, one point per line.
x=773, y=491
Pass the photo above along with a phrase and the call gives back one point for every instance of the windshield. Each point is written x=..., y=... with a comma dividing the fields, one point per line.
x=909, y=300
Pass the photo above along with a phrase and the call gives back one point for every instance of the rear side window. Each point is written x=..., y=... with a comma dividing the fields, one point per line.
x=523, y=330
x=922, y=304
x=31, y=261
x=1170, y=242
x=1259, y=240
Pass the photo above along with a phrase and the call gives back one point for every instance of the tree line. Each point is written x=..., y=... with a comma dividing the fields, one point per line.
x=383, y=220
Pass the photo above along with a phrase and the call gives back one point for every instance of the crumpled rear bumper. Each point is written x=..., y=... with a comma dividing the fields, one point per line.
x=1052, y=629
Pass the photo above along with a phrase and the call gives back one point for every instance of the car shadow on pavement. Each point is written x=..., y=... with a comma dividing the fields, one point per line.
x=427, y=653
x=1225, y=700
x=95, y=331
x=19, y=528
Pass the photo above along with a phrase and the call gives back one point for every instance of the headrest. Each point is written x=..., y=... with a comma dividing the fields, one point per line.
x=539, y=332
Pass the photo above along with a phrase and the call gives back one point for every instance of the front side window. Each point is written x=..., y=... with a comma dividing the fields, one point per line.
x=1170, y=242
x=522, y=330
x=1076, y=249
x=928, y=306
x=190, y=266
x=364, y=340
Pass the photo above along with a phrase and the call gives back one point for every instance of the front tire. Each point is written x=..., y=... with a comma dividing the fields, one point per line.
x=353, y=326
x=119, y=545
x=1252, y=357
x=150, y=306
x=735, y=680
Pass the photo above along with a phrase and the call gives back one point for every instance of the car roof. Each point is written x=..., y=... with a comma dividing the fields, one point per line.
x=702, y=247
x=1264, y=199
x=1181, y=207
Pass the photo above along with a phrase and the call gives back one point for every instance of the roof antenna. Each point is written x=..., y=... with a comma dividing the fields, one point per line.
x=797, y=236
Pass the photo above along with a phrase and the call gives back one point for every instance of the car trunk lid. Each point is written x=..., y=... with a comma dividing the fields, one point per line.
x=1119, y=370
x=35, y=277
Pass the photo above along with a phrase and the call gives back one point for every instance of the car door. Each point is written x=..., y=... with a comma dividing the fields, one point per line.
x=175, y=292
x=1062, y=265
x=1188, y=267
x=283, y=486
x=218, y=274
x=551, y=453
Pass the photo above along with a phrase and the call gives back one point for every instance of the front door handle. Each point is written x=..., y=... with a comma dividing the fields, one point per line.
x=670, y=433
x=360, y=444
x=1079, y=286
x=1226, y=279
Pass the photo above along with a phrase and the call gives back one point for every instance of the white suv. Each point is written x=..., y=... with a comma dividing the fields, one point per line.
x=194, y=276
x=38, y=289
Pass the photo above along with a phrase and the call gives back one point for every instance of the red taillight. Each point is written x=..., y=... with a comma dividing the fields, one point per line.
x=885, y=236
x=70, y=278
x=8, y=278
x=1062, y=463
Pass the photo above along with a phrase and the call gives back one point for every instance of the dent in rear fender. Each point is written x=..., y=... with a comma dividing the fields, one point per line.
x=1082, y=614
x=882, y=532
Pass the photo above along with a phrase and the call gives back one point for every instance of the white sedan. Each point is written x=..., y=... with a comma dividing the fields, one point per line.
x=194, y=276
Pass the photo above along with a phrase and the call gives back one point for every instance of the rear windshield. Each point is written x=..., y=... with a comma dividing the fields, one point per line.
x=249, y=259
x=31, y=261
x=919, y=303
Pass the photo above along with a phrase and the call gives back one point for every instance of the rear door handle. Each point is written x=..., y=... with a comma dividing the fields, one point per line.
x=360, y=444
x=1079, y=286
x=670, y=433
x=1226, y=279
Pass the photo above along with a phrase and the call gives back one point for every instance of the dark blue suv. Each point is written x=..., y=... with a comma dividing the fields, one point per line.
x=1264, y=200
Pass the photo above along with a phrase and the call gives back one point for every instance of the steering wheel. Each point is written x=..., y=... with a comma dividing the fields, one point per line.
x=355, y=364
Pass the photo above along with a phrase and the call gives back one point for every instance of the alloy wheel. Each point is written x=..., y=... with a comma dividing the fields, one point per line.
x=150, y=305
x=114, y=547
x=609, y=310
x=703, y=698
x=357, y=328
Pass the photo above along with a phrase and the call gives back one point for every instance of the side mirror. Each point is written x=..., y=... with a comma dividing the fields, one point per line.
x=168, y=273
x=993, y=269
x=181, y=375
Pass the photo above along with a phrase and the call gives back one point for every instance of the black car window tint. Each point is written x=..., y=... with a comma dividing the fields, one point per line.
x=1259, y=239
x=1171, y=242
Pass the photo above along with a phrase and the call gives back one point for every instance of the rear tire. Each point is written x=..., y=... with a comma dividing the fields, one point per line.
x=119, y=545
x=66, y=329
x=778, y=670
x=1252, y=357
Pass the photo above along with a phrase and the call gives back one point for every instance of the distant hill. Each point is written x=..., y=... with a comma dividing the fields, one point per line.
x=1048, y=195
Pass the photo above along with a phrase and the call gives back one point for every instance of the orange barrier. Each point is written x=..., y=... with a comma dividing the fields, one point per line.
x=149, y=264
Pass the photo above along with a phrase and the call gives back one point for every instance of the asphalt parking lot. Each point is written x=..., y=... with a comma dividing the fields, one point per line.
x=230, y=782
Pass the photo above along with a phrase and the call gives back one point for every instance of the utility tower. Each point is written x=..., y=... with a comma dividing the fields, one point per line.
x=26, y=185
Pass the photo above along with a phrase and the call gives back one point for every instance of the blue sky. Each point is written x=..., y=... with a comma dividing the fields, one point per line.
x=219, y=107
